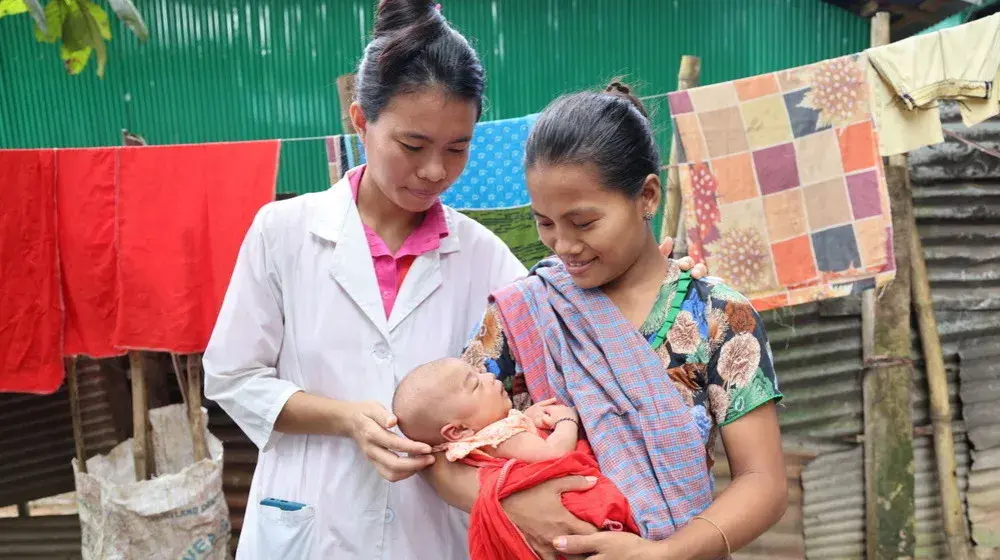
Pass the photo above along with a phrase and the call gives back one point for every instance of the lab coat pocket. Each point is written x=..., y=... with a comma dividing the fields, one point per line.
x=285, y=534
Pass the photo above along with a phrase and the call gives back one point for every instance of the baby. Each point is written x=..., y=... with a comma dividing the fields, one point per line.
x=455, y=408
x=451, y=406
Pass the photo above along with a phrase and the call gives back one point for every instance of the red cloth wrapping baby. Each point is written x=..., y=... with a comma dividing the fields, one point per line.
x=492, y=536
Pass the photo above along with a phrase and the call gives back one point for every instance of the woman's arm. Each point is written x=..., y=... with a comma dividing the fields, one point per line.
x=240, y=372
x=456, y=483
x=539, y=512
x=240, y=359
x=754, y=501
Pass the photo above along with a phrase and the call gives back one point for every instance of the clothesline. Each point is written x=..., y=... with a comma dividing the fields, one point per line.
x=304, y=139
x=654, y=96
x=317, y=138
x=954, y=135
x=973, y=144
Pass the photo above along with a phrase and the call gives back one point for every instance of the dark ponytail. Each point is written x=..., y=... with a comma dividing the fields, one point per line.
x=414, y=47
x=609, y=129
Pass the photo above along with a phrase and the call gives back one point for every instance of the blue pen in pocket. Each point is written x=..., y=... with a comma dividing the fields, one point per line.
x=283, y=505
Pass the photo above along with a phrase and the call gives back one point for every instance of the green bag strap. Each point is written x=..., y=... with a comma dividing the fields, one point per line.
x=683, y=283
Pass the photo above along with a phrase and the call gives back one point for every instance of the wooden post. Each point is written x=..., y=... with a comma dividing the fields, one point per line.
x=194, y=407
x=937, y=384
x=142, y=451
x=345, y=92
x=74, y=411
x=889, y=483
x=687, y=78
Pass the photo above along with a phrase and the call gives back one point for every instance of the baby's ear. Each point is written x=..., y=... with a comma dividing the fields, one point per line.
x=455, y=432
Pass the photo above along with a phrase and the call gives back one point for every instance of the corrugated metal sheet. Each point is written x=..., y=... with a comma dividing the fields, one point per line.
x=53, y=537
x=818, y=360
x=240, y=70
x=980, y=374
x=957, y=203
x=833, y=509
x=956, y=193
x=930, y=540
x=834, y=502
x=786, y=539
x=36, y=436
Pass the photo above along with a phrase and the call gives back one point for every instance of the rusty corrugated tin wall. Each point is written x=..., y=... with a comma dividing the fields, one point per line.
x=784, y=540
x=957, y=199
x=980, y=363
x=50, y=537
x=36, y=434
x=956, y=192
x=834, y=512
x=834, y=506
x=221, y=70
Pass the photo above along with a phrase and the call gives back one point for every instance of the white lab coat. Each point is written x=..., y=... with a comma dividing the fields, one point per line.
x=303, y=312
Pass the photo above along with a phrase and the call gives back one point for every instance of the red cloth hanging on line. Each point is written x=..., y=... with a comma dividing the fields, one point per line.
x=111, y=249
x=85, y=190
x=182, y=214
x=31, y=314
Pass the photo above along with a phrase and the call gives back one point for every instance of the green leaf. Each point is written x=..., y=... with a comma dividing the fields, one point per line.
x=127, y=12
x=75, y=60
x=99, y=17
x=12, y=7
x=75, y=31
x=37, y=13
x=96, y=33
x=55, y=14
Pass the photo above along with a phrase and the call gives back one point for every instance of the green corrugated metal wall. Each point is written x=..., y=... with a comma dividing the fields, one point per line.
x=218, y=70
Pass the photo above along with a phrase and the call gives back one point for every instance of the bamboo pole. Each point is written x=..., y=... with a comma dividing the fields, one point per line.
x=687, y=78
x=937, y=384
x=345, y=92
x=141, y=449
x=194, y=407
x=890, y=502
x=74, y=411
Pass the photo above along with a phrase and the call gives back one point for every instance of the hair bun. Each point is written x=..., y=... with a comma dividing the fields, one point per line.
x=393, y=16
x=618, y=89
x=406, y=27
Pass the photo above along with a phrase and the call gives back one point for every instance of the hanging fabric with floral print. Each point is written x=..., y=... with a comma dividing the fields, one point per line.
x=784, y=191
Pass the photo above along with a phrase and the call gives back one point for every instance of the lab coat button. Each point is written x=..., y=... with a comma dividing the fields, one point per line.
x=390, y=515
x=382, y=352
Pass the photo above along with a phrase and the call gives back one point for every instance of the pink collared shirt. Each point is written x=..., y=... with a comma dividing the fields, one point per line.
x=391, y=269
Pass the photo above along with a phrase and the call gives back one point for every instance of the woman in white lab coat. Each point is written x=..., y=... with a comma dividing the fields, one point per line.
x=314, y=334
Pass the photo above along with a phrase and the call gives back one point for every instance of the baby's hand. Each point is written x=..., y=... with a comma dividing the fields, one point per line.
x=536, y=412
x=555, y=413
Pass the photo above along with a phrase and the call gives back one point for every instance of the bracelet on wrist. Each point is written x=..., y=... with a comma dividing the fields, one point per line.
x=573, y=420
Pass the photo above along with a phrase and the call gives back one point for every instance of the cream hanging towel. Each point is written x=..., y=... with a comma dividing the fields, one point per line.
x=909, y=77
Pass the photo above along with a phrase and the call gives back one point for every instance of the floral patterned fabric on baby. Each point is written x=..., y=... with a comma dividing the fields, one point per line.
x=716, y=353
x=491, y=436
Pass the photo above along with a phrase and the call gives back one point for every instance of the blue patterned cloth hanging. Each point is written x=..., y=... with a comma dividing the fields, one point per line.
x=493, y=178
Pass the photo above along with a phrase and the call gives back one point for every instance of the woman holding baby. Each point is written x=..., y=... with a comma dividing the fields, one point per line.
x=337, y=295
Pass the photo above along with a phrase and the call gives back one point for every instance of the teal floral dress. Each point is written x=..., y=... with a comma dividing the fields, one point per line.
x=717, y=354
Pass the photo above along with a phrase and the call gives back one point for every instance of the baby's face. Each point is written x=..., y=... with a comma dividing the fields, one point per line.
x=477, y=399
